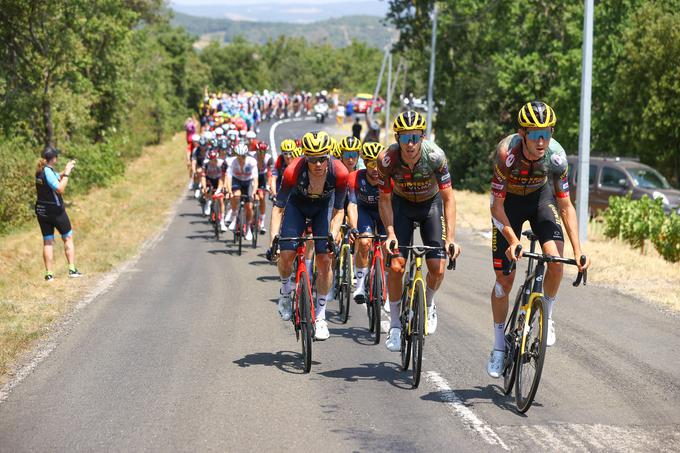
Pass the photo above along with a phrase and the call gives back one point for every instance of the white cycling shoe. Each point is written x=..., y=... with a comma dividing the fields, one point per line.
x=197, y=193
x=393, y=341
x=232, y=225
x=495, y=366
x=432, y=319
x=206, y=209
x=285, y=307
x=223, y=226
x=551, y=333
x=321, y=330
x=249, y=235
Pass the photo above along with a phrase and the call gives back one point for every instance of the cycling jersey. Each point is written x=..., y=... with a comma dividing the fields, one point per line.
x=49, y=206
x=213, y=171
x=198, y=155
x=429, y=175
x=514, y=173
x=296, y=184
x=265, y=163
x=365, y=196
x=245, y=172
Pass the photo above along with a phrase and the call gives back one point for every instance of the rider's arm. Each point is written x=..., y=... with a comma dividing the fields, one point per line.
x=228, y=178
x=275, y=223
x=499, y=184
x=385, y=197
x=449, y=201
x=336, y=221
x=352, y=212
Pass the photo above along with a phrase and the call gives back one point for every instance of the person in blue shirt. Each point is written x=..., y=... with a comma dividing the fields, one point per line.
x=49, y=207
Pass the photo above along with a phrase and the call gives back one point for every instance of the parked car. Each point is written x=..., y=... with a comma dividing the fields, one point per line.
x=617, y=176
x=362, y=103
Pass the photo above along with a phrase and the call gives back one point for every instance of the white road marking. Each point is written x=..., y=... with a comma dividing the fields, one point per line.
x=272, y=143
x=471, y=420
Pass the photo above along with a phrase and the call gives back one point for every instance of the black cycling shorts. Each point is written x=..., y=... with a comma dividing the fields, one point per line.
x=429, y=214
x=539, y=208
x=51, y=217
x=262, y=181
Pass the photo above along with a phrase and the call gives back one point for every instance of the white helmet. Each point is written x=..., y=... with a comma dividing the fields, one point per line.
x=241, y=149
x=195, y=138
x=251, y=134
x=242, y=132
x=219, y=131
x=232, y=134
x=324, y=93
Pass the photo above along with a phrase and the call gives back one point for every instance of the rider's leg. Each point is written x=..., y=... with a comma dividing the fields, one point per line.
x=553, y=276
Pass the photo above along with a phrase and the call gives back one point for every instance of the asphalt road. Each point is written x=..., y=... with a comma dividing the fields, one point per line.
x=186, y=352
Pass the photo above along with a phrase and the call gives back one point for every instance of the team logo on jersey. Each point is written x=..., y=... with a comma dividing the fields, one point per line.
x=510, y=160
x=386, y=160
x=556, y=160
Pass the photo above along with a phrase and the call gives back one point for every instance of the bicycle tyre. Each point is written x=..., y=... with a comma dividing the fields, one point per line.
x=337, y=288
x=511, y=348
x=239, y=228
x=256, y=224
x=304, y=305
x=405, y=334
x=418, y=336
x=346, y=281
x=377, y=299
x=525, y=388
x=216, y=218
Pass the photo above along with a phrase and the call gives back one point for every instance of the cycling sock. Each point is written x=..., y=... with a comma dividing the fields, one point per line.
x=361, y=275
x=72, y=267
x=499, y=336
x=308, y=263
x=429, y=296
x=285, y=285
x=48, y=273
x=320, y=311
x=549, y=303
x=394, y=315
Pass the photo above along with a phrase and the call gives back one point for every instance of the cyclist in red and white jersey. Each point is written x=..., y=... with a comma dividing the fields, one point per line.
x=265, y=164
x=241, y=178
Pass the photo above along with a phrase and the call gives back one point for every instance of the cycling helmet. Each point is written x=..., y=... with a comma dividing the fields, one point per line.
x=219, y=131
x=263, y=146
x=288, y=146
x=335, y=150
x=202, y=141
x=350, y=143
x=212, y=154
x=213, y=142
x=297, y=152
x=316, y=144
x=251, y=134
x=370, y=150
x=223, y=143
x=241, y=149
x=195, y=138
x=242, y=133
x=536, y=114
x=232, y=135
x=409, y=121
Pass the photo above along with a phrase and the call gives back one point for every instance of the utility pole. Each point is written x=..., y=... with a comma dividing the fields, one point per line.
x=584, y=124
x=389, y=96
x=369, y=113
x=430, y=86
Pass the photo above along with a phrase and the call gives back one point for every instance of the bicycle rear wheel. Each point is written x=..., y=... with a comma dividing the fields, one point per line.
x=376, y=302
x=346, y=282
x=304, y=304
x=530, y=363
x=406, y=320
x=418, y=335
x=240, y=226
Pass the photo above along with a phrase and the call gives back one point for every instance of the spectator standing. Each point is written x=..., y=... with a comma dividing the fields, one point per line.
x=356, y=129
x=50, y=210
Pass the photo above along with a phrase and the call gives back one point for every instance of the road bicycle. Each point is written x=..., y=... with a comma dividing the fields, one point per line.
x=526, y=328
x=241, y=225
x=303, y=304
x=376, y=287
x=414, y=311
x=254, y=226
x=216, y=213
x=344, y=274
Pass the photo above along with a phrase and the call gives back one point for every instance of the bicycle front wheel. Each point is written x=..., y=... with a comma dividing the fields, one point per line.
x=216, y=218
x=376, y=302
x=511, y=347
x=346, y=282
x=305, y=306
x=418, y=332
x=530, y=359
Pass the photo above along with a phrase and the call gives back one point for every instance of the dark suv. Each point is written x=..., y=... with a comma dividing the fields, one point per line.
x=617, y=176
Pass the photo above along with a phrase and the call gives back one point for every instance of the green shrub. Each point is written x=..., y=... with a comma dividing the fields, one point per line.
x=667, y=242
x=17, y=189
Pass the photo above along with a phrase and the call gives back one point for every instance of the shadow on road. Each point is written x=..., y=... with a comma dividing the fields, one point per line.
x=200, y=236
x=267, y=278
x=223, y=252
x=287, y=361
x=191, y=214
x=388, y=372
x=260, y=263
x=476, y=396
x=359, y=335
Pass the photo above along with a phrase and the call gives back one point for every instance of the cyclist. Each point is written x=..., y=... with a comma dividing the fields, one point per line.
x=363, y=211
x=197, y=157
x=190, y=149
x=265, y=163
x=529, y=183
x=311, y=187
x=211, y=181
x=415, y=186
x=241, y=178
x=350, y=147
x=288, y=153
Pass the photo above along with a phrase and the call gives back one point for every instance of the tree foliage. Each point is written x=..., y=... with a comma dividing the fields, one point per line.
x=494, y=56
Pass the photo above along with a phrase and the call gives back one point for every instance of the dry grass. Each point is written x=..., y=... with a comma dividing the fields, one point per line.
x=615, y=265
x=109, y=224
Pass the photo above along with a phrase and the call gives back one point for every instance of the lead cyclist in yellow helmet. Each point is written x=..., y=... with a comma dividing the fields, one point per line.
x=415, y=186
x=311, y=186
x=529, y=182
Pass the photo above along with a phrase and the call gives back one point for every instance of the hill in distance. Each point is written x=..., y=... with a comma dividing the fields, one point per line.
x=337, y=32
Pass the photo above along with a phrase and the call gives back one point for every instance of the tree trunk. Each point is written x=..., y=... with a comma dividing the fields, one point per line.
x=47, y=113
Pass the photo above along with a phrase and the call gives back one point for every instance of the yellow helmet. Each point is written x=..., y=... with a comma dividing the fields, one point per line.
x=335, y=151
x=350, y=143
x=316, y=144
x=370, y=150
x=536, y=114
x=297, y=152
x=409, y=121
x=288, y=145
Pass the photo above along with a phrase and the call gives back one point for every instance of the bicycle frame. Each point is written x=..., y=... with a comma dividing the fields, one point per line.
x=376, y=253
x=300, y=268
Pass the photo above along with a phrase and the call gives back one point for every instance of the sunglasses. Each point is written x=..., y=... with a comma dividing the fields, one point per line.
x=405, y=139
x=538, y=134
x=350, y=155
x=317, y=160
x=372, y=164
x=287, y=154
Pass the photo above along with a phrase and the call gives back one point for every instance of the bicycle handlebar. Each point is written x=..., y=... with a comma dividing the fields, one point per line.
x=580, y=277
x=299, y=240
x=420, y=250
